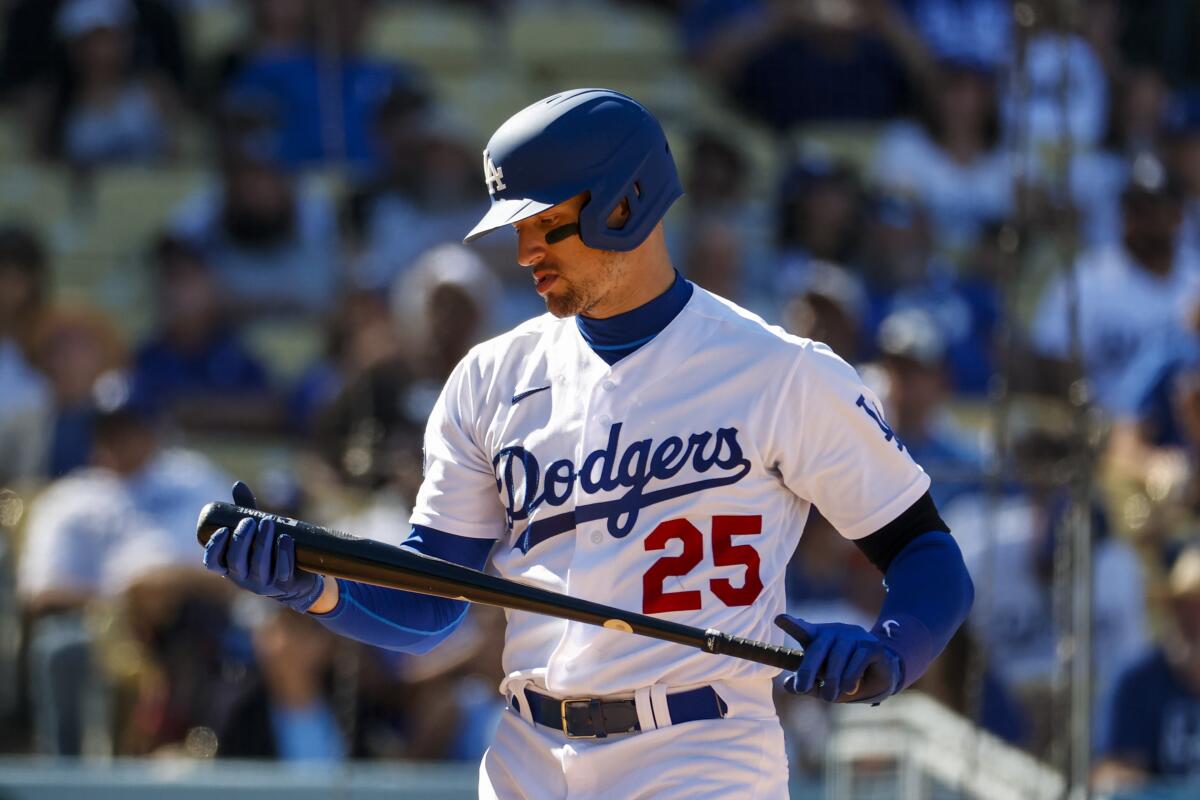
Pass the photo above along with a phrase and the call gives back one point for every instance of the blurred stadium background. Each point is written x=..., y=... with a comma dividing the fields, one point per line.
x=228, y=247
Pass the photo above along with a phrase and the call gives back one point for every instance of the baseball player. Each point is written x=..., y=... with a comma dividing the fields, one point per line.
x=652, y=446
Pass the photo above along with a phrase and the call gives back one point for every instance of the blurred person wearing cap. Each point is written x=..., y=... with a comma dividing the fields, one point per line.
x=102, y=110
x=1152, y=731
x=328, y=90
x=194, y=362
x=371, y=428
x=276, y=27
x=424, y=193
x=854, y=60
x=25, y=402
x=818, y=218
x=901, y=270
x=827, y=304
x=33, y=54
x=951, y=160
x=271, y=238
x=1010, y=540
x=126, y=517
x=1130, y=297
x=915, y=388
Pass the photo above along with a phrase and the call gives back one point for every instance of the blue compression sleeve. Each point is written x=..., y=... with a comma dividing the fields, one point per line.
x=406, y=621
x=929, y=595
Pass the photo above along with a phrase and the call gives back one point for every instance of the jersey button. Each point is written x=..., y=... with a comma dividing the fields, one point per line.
x=608, y=386
x=605, y=419
x=597, y=537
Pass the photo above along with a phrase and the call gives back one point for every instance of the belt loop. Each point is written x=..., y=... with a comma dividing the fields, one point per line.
x=658, y=701
x=645, y=711
x=516, y=690
x=722, y=704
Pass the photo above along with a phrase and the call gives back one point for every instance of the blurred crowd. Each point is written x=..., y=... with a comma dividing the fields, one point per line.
x=991, y=208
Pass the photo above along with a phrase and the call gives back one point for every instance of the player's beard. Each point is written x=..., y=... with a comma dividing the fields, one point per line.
x=579, y=296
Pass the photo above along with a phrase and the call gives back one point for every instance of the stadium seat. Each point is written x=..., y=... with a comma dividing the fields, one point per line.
x=441, y=37
x=607, y=43
x=287, y=346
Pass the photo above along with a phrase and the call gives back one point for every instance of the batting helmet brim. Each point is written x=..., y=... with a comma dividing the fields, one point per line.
x=506, y=212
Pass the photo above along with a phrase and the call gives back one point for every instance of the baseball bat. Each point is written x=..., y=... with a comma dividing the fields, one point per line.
x=340, y=555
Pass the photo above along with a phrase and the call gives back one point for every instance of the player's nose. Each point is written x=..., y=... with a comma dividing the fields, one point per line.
x=531, y=247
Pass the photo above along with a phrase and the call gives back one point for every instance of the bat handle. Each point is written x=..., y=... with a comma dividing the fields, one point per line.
x=772, y=655
x=874, y=681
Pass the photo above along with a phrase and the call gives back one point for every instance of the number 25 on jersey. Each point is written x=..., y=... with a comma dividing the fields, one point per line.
x=655, y=600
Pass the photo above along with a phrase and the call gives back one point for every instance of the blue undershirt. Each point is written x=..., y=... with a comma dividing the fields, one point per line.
x=614, y=338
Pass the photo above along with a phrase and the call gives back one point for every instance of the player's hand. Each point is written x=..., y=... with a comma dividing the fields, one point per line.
x=836, y=657
x=259, y=560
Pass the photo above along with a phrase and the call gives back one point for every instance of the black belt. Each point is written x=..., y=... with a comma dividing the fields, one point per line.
x=591, y=718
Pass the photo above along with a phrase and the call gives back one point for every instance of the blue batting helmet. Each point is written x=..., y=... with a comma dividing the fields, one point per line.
x=583, y=140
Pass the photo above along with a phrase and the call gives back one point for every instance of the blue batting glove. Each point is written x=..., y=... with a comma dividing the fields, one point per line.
x=836, y=656
x=257, y=559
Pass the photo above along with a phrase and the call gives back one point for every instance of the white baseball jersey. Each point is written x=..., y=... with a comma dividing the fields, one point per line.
x=674, y=483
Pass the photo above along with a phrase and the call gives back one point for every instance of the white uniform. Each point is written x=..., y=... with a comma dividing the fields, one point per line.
x=676, y=483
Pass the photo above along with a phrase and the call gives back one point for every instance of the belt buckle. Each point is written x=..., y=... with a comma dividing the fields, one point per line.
x=586, y=702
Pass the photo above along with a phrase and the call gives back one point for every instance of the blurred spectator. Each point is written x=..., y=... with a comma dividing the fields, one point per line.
x=288, y=714
x=1129, y=297
x=952, y=162
x=194, y=362
x=427, y=194
x=326, y=94
x=962, y=680
x=134, y=509
x=1060, y=102
x=450, y=694
x=913, y=353
x=386, y=385
x=818, y=219
x=271, y=239
x=100, y=110
x=1135, y=127
x=359, y=335
x=74, y=346
x=277, y=28
x=902, y=272
x=1183, y=159
x=721, y=239
x=788, y=62
x=979, y=29
x=95, y=533
x=1009, y=542
x=1161, y=34
x=444, y=306
x=820, y=211
x=827, y=304
x=1153, y=727
x=25, y=418
x=715, y=261
x=33, y=52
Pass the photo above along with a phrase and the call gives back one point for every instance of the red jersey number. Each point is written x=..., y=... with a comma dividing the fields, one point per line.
x=655, y=600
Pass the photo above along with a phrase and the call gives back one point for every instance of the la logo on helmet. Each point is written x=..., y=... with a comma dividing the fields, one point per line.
x=492, y=175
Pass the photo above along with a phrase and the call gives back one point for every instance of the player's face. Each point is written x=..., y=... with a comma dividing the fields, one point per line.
x=570, y=276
